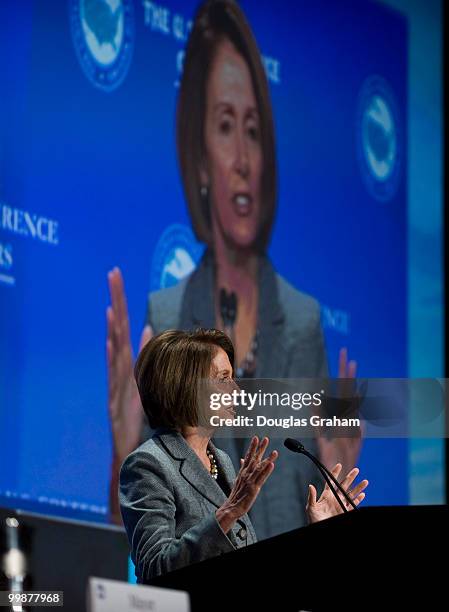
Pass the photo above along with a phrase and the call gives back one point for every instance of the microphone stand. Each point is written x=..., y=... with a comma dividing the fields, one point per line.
x=296, y=447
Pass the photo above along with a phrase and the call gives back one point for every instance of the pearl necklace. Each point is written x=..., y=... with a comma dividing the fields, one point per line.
x=213, y=465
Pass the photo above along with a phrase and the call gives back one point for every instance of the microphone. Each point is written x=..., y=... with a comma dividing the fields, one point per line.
x=296, y=447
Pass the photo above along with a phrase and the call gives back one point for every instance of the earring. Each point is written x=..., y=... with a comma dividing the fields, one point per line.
x=204, y=192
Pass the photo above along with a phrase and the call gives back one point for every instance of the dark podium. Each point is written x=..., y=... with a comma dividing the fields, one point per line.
x=372, y=558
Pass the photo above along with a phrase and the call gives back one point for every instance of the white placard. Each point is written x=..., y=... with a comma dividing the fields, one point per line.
x=115, y=596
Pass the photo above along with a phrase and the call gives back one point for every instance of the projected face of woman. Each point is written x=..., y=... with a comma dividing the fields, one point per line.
x=233, y=164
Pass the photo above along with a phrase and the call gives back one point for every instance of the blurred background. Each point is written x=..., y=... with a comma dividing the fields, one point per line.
x=89, y=180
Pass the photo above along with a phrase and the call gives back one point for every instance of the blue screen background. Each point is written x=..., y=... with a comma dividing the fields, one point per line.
x=103, y=165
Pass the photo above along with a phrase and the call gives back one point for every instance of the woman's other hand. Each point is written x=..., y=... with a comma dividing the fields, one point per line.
x=327, y=505
x=125, y=408
x=345, y=450
x=253, y=473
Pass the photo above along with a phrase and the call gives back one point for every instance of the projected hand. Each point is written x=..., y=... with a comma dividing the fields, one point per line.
x=327, y=505
x=125, y=409
x=340, y=449
x=252, y=475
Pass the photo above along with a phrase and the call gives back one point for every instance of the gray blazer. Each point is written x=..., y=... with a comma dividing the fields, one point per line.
x=168, y=502
x=291, y=345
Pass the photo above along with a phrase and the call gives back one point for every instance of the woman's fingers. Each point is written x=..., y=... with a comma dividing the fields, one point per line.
x=257, y=455
x=352, y=368
x=112, y=372
x=116, y=283
x=253, y=473
x=271, y=458
x=264, y=469
x=311, y=498
x=110, y=333
x=249, y=453
x=110, y=358
x=113, y=290
x=342, y=362
x=359, y=499
x=114, y=315
x=358, y=489
x=261, y=479
x=146, y=336
x=252, y=462
x=267, y=466
x=123, y=306
x=335, y=471
x=111, y=345
x=357, y=493
x=258, y=472
x=356, y=501
x=119, y=305
x=350, y=477
x=111, y=329
x=261, y=449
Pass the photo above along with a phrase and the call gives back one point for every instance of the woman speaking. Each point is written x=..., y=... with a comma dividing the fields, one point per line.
x=180, y=499
x=227, y=158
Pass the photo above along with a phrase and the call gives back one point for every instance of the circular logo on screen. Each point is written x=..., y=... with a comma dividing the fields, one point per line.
x=103, y=35
x=378, y=130
x=176, y=255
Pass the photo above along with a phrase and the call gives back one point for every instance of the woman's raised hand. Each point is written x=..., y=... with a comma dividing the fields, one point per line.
x=327, y=505
x=345, y=450
x=253, y=473
x=125, y=408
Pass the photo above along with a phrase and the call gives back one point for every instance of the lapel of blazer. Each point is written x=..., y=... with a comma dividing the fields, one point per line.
x=197, y=309
x=271, y=355
x=191, y=467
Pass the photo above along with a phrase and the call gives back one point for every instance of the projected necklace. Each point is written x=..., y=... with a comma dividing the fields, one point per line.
x=228, y=311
